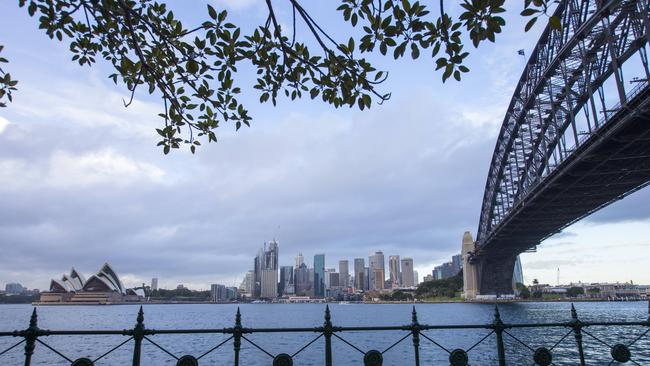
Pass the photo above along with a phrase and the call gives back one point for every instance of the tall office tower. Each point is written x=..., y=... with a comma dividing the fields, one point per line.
x=266, y=271
x=378, y=276
x=416, y=278
x=286, y=286
x=366, y=279
x=344, y=273
x=334, y=280
x=257, y=274
x=301, y=280
x=518, y=274
x=394, y=271
x=408, y=276
x=319, y=275
x=154, y=284
x=299, y=260
x=359, y=265
x=376, y=261
x=457, y=263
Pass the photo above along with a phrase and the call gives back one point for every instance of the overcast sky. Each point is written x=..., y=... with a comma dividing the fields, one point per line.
x=81, y=181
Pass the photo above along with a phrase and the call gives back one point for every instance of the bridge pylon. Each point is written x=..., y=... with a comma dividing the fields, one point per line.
x=470, y=274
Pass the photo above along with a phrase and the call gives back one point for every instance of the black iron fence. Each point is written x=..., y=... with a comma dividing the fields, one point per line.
x=33, y=338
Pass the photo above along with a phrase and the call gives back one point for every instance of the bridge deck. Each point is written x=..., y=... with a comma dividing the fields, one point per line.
x=605, y=168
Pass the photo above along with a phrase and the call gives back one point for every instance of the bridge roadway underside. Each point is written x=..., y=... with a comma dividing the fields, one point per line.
x=612, y=163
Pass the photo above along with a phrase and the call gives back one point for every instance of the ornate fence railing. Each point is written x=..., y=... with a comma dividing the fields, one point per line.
x=624, y=352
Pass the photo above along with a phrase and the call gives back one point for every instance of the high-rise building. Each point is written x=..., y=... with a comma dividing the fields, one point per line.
x=14, y=289
x=408, y=276
x=301, y=280
x=286, y=286
x=154, y=284
x=334, y=280
x=376, y=261
x=359, y=278
x=394, y=271
x=319, y=275
x=366, y=278
x=299, y=260
x=416, y=277
x=344, y=273
x=218, y=293
x=246, y=287
x=378, y=276
x=517, y=274
x=266, y=271
x=457, y=263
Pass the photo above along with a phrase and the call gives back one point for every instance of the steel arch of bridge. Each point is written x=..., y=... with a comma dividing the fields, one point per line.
x=573, y=90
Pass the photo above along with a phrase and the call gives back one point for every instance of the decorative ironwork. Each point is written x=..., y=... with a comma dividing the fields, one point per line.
x=497, y=330
x=458, y=357
x=187, y=360
x=82, y=362
x=543, y=357
x=621, y=353
x=373, y=358
x=283, y=359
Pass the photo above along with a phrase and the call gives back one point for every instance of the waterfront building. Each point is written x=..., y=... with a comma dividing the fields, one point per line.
x=378, y=276
x=218, y=293
x=14, y=289
x=319, y=275
x=366, y=279
x=376, y=261
x=103, y=287
x=416, y=277
x=344, y=273
x=359, y=281
x=394, y=271
x=301, y=280
x=286, y=286
x=154, y=284
x=408, y=275
x=266, y=271
x=457, y=263
x=334, y=280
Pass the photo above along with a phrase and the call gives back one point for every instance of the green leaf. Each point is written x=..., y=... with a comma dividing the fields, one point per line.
x=530, y=24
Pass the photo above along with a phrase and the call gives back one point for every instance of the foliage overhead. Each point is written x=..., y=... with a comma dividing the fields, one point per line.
x=193, y=69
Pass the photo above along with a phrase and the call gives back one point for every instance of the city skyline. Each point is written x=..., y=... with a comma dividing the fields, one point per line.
x=340, y=181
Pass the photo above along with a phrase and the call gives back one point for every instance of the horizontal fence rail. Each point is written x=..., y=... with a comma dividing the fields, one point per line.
x=33, y=338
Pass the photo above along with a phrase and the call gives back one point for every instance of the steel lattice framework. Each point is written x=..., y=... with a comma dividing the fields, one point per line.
x=575, y=136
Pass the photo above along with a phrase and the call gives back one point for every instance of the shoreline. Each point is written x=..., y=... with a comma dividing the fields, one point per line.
x=492, y=301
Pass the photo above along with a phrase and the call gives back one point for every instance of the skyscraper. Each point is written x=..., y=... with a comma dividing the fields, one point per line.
x=319, y=275
x=359, y=265
x=457, y=263
x=266, y=271
x=394, y=271
x=286, y=286
x=301, y=280
x=408, y=276
x=344, y=273
x=376, y=261
x=154, y=284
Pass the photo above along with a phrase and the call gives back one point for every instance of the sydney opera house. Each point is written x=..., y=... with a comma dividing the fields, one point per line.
x=103, y=287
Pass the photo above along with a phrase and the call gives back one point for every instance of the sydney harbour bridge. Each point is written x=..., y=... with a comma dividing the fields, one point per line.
x=575, y=137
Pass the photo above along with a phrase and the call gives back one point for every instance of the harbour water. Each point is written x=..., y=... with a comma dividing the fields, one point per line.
x=198, y=316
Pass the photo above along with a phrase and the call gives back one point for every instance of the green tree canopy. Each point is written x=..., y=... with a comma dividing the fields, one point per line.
x=193, y=69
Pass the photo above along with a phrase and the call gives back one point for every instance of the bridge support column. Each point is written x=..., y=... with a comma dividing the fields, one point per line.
x=470, y=278
x=495, y=272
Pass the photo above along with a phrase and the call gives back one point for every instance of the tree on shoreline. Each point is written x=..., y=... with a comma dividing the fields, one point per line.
x=193, y=70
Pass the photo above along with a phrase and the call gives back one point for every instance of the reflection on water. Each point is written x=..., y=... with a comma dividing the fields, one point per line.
x=308, y=315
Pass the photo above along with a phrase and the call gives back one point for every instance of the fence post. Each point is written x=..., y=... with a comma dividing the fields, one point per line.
x=498, y=329
x=30, y=338
x=237, y=331
x=576, y=324
x=327, y=332
x=138, y=335
x=415, y=331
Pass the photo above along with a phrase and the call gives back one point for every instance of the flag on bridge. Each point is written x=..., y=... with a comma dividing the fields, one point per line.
x=522, y=53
